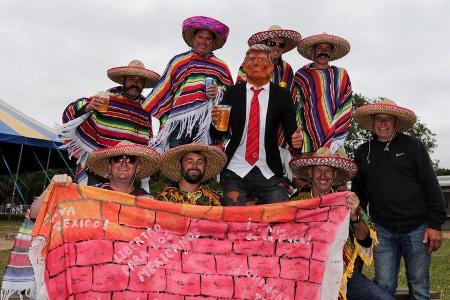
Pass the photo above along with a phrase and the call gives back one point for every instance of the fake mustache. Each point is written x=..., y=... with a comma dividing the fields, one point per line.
x=133, y=87
x=324, y=55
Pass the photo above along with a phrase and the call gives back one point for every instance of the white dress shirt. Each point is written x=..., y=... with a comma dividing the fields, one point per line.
x=238, y=163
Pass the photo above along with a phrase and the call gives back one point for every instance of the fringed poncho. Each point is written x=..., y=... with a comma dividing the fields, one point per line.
x=179, y=99
x=84, y=132
x=325, y=106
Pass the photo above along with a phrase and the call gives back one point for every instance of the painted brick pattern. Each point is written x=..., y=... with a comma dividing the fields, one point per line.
x=136, y=248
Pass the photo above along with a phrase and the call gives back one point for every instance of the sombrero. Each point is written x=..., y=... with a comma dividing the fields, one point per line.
x=98, y=160
x=135, y=67
x=219, y=29
x=345, y=167
x=291, y=37
x=340, y=45
x=364, y=114
x=171, y=161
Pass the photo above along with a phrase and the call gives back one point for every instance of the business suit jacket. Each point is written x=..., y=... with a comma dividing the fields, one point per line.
x=280, y=111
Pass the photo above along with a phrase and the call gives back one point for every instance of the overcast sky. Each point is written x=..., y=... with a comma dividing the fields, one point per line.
x=52, y=52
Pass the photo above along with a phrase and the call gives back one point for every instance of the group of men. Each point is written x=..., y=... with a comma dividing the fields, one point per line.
x=273, y=112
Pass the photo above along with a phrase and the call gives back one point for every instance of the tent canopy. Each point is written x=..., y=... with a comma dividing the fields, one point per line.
x=17, y=129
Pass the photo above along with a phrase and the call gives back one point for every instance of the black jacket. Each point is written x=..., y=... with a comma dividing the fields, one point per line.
x=399, y=185
x=280, y=111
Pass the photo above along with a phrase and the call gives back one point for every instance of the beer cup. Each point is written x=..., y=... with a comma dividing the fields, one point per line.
x=224, y=116
x=105, y=98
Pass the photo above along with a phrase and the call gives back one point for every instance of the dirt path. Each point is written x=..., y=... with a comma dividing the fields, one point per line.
x=6, y=245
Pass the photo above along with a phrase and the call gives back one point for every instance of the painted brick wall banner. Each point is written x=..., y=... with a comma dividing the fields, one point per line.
x=90, y=243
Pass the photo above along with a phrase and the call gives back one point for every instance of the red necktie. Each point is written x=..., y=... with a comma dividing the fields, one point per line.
x=252, y=145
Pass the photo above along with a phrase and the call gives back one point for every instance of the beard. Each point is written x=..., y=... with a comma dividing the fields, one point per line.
x=192, y=178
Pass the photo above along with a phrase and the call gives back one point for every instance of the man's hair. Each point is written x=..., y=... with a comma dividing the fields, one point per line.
x=198, y=29
x=196, y=152
x=259, y=48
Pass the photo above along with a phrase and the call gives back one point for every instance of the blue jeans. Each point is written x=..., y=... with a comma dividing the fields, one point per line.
x=254, y=184
x=359, y=287
x=417, y=261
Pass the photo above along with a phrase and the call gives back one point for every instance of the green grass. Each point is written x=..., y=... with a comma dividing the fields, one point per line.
x=440, y=271
x=3, y=261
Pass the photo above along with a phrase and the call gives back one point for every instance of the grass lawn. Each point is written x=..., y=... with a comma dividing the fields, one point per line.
x=440, y=264
x=440, y=271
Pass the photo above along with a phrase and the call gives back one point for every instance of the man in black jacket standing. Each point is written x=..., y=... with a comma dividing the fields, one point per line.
x=258, y=108
x=396, y=179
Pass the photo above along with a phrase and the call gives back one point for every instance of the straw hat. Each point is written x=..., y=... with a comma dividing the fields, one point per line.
x=98, y=160
x=346, y=168
x=219, y=29
x=171, y=161
x=291, y=37
x=340, y=45
x=135, y=67
x=364, y=114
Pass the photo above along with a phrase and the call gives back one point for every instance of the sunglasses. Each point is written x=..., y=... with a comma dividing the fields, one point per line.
x=129, y=159
x=273, y=44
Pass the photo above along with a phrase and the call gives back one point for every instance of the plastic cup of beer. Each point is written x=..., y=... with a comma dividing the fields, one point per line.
x=105, y=98
x=224, y=117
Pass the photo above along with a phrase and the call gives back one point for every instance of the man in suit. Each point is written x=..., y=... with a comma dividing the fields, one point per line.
x=258, y=108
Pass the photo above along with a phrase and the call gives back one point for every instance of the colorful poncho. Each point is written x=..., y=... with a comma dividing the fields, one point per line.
x=352, y=251
x=204, y=196
x=325, y=106
x=179, y=99
x=281, y=73
x=85, y=132
x=19, y=277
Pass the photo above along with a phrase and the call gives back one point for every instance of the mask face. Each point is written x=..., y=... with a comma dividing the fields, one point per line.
x=258, y=67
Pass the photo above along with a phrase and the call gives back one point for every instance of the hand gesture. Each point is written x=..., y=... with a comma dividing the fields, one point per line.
x=433, y=238
x=297, y=139
x=211, y=92
x=62, y=180
x=94, y=104
x=353, y=204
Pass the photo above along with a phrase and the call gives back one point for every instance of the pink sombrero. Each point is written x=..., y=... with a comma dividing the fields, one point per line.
x=134, y=68
x=171, y=161
x=405, y=117
x=291, y=37
x=341, y=46
x=345, y=167
x=219, y=29
x=149, y=159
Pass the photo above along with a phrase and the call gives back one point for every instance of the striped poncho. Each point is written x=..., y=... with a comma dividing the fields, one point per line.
x=282, y=72
x=325, y=106
x=84, y=132
x=179, y=99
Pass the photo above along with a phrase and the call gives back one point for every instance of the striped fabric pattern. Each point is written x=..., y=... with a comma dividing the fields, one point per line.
x=182, y=86
x=124, y=120
x=19, y=275
x=281, y=73
x=16, y=127
x=252, y=145
x=325, y=105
